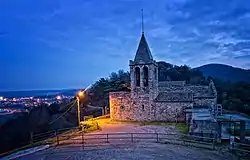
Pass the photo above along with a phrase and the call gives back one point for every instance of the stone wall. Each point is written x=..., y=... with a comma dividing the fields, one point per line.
x=212, y=89
x=152, y=88
x=122, y=107
x=171, y=89
x=172, y=83
x=205, y=128
x=205, y=102
x=196, y=90
x=171, y=112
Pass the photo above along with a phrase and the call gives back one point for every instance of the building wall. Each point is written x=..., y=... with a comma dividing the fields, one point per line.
x=205, y=128
x=120, y=105
x=152, y=88
x=123, y=108
x=171, y=111
x=205, y=102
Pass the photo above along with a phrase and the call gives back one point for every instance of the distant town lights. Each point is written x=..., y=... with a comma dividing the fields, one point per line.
x=58, y=97
x=1, y=98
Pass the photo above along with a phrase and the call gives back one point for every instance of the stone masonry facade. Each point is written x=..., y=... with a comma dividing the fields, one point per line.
x=151, y=100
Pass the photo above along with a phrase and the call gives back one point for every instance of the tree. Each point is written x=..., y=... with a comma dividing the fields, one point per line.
x=232, y=96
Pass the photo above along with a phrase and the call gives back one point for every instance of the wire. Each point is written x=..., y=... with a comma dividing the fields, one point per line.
x=63, y=113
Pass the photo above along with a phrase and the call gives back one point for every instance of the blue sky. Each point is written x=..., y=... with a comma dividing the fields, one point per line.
x=70, y=44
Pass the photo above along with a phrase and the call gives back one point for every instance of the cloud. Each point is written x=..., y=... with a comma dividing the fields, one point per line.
x=198, y=32
x=180, y=30
x=105, y=35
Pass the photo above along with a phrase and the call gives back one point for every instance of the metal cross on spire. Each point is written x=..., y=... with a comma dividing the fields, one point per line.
x=142, y=25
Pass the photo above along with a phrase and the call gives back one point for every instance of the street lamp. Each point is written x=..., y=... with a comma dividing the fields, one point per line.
x=80, y=95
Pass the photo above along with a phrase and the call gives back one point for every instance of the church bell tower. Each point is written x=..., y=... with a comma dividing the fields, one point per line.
x=144, y=71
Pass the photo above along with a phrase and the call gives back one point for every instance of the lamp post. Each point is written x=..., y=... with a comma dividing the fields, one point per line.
x=79, y=96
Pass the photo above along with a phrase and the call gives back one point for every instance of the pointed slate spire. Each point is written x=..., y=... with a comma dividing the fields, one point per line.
x=143, y=52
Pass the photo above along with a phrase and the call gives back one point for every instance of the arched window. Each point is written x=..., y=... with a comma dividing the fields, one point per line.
x=145, y=76
x=137, y=76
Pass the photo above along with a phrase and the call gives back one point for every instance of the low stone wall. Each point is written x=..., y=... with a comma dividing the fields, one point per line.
x=204, y=101
x=205, y=128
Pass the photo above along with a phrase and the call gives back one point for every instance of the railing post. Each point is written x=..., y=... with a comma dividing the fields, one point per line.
x=107, y=138
x=132, y=138
x=213, y=143
x=202, y=135
x=82, y=140
x=233, y=146
x=57, y=137
x=31, y=137
x=232, y=142
x=157, y=138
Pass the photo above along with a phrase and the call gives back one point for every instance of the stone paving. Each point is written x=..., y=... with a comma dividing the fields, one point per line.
x=126, y=149
x=147, y=151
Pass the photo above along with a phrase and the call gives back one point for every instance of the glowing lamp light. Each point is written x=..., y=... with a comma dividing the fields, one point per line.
x=1, y=98
x=80, y=94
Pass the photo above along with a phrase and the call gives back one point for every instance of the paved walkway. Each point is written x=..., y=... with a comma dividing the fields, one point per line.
x=147, y=131
x=123, y=148
x=129, y=151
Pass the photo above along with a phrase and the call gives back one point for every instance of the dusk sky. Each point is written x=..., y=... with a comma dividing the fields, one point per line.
x=53, y=44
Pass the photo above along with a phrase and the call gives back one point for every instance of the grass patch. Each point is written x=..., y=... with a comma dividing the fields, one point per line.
x=182, y=127
x=90, y=126
x=22, y=148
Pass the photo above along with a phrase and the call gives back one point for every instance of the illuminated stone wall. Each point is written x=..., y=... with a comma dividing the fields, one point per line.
x=125, y=108
x=120, y=105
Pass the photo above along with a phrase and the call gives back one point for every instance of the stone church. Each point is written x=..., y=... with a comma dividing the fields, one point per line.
x=153, y=100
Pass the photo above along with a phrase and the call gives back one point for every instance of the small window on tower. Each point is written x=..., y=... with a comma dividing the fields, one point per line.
x=145, y=76
x=143, y=108
x=137, y=76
